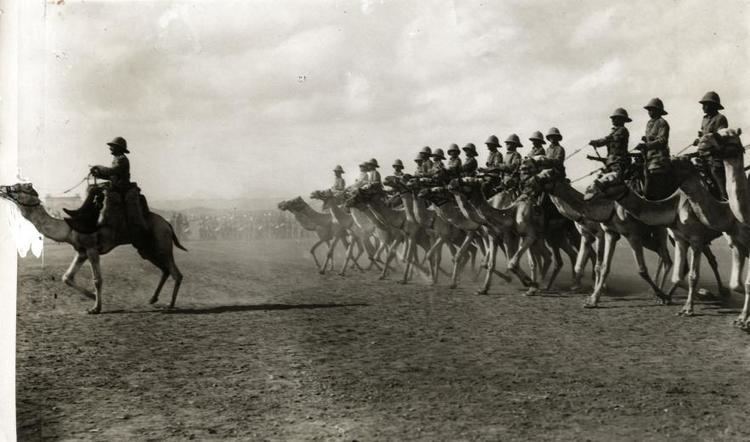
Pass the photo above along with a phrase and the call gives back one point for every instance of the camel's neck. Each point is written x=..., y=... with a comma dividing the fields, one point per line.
x=53, y=228
x=385, y=214
x=453, y=214
x=654, y=213
x=737, y=188
x=424, y=216
x=710, y=211
x=463, y=204
x=409, y=203
x=362, y=218
x=339, y=214
x=320, y=219
x=598, y=211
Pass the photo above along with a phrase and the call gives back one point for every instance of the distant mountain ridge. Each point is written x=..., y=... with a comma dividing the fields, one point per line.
x=217, y=204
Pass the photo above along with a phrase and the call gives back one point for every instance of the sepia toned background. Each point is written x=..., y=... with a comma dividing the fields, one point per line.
x=230, y=99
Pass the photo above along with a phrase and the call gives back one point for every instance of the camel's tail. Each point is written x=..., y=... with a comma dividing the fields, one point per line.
x=175, y=240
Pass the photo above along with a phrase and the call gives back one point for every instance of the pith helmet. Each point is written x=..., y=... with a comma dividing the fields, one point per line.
x=398, y=163
x=554, y=132
x=426, y=150
x=655, y=103
x=712, y=97
x=419, y=158
x=373, y=162
x=338, y=168
x=492, y=141
x=453, y=148
x=537, y=135
x=513, y=139
x=621, y=113
x=364, y=165
x=121, y=143
x=470, y=148
x=438, y=154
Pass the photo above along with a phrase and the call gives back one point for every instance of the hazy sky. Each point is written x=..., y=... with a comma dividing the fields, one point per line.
x=264, y=98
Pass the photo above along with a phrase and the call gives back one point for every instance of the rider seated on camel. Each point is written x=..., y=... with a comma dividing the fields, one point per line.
x=617, y=159
x=117, y=191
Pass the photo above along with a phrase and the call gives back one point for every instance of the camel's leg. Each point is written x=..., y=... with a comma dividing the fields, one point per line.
x=412, y=245
x=162, y=280
x=514, y=267
x=177, y=276
x=572, y=253
x=695, y=264
x=436, y=247
x=580, y=265
x=742, y=319
x=314, y=247
x=542, y=253
x=678, y=270
x=329, y=255
x=459, y=258
x=349, y=253
x=637, y=247
x=390, y=253
x=738, y=263
x=491, y=254
x=610, y=241
x=361, y=249
x=96, y=271
x=558, y=266
x=69, y=278
x=711, y=258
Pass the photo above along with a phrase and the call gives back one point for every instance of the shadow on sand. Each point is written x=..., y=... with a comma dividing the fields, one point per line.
x=253, y=307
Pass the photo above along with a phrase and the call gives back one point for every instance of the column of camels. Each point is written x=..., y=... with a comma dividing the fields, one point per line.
x=411, y=219
x=407, y=222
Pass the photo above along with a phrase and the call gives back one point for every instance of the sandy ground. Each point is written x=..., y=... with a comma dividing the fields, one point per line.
x=264, y=348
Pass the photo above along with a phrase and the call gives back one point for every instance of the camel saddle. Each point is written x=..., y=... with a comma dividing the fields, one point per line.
x=124, y=211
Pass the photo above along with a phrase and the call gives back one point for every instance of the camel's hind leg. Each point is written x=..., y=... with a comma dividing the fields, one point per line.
x=711, y=258
x=177, y=276
x=69, y=278
x=96, y=271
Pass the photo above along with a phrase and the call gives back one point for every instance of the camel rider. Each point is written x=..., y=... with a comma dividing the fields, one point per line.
x=118, y=190
x=512, y=160
x=616, y=142
x=398, y=168
x=496, y=158
x=454, y=162
x=537, y=140
x=364, y=169
x=426, y=167
x=438, y=171
x=655, y=146
x=555, y=157
x=419, y=159
x=338, y=182
x=712, y=122
x=373, y=176
x=469, y=167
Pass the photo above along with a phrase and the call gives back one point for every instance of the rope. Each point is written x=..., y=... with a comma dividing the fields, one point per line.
x=77, y=184
x=584, y=176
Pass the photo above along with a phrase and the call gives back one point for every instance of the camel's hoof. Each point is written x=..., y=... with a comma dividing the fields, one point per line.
x=342, y=274
x=94, y=310
x=153, y=300
x=381, y=278
x=532, y=291
x=705, y=293
x=481, y=292
x=685, y=312
x=452, y=286
x=588, y=303
x=741, y=321
x=402, y=282
x=322, y=272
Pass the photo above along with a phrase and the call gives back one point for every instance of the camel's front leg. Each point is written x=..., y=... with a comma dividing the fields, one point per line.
x=695, y=264
x=637, y=247
x=491, y=254
x=314, y=247
x=96, y=271
x=411, y=245
x=329, y=255
x=69, y=278
x=513, y=264
x=711, y=258
x=742, y=319
x=678, y=273
x=349, y=253
x=610, y=241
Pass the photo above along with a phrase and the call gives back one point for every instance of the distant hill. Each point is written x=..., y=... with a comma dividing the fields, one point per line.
x=208, y=205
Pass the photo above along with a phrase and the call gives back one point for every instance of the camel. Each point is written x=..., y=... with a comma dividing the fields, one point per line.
x=445, y=207
x=314, y=221
x=615, y=223
x=90, y=246
x=395, y=220
x=718, y=215
x=440, y=231
x=344, y=220
x=674, y=213
x=508, y=225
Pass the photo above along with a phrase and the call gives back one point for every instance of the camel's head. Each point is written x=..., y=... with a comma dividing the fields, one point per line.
x=434, y=194
x=393, y=181
x=547, y=178
x=608, y=186
x=292, y=205
x=22, y=194
x=725, y=143
x=685, y=165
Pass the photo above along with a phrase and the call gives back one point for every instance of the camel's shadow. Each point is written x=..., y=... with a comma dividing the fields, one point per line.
x=252, y=307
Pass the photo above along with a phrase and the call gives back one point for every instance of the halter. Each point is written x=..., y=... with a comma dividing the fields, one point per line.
x=38, y=203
